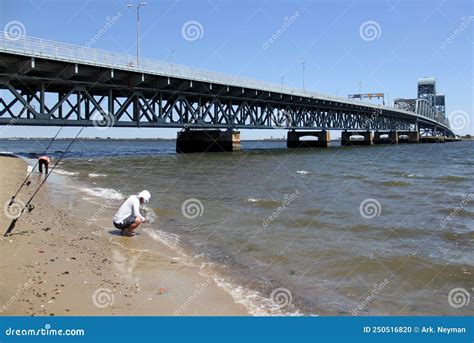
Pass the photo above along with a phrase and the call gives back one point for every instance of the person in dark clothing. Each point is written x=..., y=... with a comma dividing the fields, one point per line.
x=43, y=161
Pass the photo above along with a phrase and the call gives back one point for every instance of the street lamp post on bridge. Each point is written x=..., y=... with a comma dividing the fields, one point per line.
x=138, y=26
x=304, y=65
x=172, y=51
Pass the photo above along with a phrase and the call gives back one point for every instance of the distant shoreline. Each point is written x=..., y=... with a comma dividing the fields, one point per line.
x=128, y=139
x=154, y=139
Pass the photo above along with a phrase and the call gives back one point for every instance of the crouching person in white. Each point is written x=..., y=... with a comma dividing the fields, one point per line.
x=128, y=216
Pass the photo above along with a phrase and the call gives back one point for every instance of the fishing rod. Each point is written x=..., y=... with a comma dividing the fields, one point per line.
x=26, y=182
x=28, y=204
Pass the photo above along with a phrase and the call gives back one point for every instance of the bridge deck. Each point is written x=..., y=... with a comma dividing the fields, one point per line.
x=64, y=68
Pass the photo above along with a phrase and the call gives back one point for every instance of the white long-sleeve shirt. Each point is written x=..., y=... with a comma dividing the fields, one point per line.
x=129, y=207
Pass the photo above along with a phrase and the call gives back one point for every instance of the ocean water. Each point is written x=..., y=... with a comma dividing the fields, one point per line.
x=382, y=230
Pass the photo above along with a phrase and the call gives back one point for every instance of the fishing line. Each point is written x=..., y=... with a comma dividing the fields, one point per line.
x=28, y=204
x=26, y=182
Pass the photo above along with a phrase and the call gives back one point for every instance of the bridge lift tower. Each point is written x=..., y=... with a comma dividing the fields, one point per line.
x=427, y=91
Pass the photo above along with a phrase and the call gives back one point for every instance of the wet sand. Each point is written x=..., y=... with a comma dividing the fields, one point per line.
x=55, y=264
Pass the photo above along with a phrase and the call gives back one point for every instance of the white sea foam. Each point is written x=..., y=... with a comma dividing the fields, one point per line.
x=113, y=240
x=107, y=193
x=253, y=301
x=64, y=172
x=415, y=175
x=263, y=201
x=7, y=153
x=171, y=240
x=149, y=214
x=97, y=175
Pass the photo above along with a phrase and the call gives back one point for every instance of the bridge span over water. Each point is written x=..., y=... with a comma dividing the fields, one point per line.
x=47, y=83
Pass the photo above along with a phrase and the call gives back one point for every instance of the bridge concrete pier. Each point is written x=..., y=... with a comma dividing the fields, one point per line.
x=408, y=137
x=207, y=141
x=392, y=137
x=432, y=139
x=293, y=139
x=346, y=138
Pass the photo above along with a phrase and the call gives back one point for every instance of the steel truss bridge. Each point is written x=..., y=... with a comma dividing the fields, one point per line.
x=49, y=83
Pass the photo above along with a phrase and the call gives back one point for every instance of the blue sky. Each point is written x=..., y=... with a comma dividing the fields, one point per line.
x=411, y=41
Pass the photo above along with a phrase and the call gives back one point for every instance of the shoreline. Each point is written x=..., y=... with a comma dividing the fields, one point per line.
x=156, y=236
x=55, y=263
x=89, y=189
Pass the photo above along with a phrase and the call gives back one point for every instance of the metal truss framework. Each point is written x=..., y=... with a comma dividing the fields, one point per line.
x=80, y=106
x=432, y=131
x=48, y=83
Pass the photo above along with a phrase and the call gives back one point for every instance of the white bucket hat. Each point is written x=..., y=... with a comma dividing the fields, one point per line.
x=145, y=195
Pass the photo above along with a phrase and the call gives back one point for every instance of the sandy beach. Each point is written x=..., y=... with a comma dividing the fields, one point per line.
x=54, y=264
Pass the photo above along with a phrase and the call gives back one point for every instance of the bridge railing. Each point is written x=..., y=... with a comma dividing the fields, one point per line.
x=74, y=53
x=38, y=47
x=77, y=54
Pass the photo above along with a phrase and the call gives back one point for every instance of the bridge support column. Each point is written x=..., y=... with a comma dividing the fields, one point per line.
x=346, y=138
x=408, y=137
x=293, y=139
x=392, y=137
x=207, y=141
x=432, y=139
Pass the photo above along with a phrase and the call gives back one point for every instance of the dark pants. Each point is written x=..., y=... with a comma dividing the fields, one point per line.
x=42, y=163
x=125, y=223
